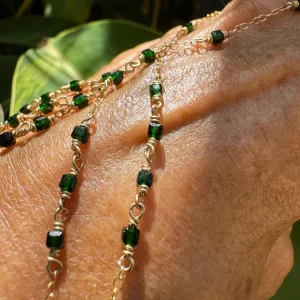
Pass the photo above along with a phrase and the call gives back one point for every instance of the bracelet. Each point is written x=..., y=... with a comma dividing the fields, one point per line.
x=97, y=91
x=49, y=108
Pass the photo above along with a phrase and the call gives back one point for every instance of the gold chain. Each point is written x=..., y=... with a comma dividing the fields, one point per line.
x=264, y=17
x=55, y=266
x=97, y=93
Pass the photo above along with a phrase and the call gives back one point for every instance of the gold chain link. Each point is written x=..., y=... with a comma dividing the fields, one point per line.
x=264, y=17
x=118, y=284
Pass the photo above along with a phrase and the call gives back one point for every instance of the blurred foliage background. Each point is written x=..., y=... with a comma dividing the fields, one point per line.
x=46, y=43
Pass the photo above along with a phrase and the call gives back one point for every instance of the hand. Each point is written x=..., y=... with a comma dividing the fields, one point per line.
x=226, y=186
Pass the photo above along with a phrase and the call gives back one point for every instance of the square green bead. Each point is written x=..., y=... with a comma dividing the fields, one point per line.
x=155, y=131
x=41, y=123
x=131, y=235
x=81, y=133
x=189, y=26
x=155, y=89
x=117, y=77
x=75, y=86
x=68, y=183
x=13, y=121
x=217, y=37
x=80, y=100
x=55, y=240
x=149, y=56
x=7, y=139
x=46, y=107
x=25, y=110
x=145, y=177
x=105, y=76
x=45, y=97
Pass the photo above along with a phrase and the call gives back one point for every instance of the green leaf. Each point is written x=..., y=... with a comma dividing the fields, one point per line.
x=77, y=53
x=77, y=11
x=27, y=32
x=7, y=67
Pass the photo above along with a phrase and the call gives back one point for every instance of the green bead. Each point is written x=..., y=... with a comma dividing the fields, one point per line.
x=117, y=77
x=155, y=89
x=46, y=107
x=13, y=121
x=189, y=26
x=68, y=183
x=155, y=131
x=7, y=139
x=41, y=123
x=130, y=235
x=55, y=240
x=149, y=56
x=105, y=76
x=80, y=100
x=75, y=86
x=145, y=177
x=45, y=97
x=25, y=110
x=217, y=37
x=81, y=133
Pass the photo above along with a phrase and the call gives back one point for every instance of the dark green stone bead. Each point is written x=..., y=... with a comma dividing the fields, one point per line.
x=45, y=97
x=131, y=235
x=217, y=37
x=155, y=89
x=55, y=240
x=80, y=100
x=117, y=77
x=145, y=178
x=41, y=123
x=81, y=133
x=46, y=107
x=149, y=56
x=68, y=183
x=25, y=110
x=189, y=26
x=105, y=76
x=13, y=121
x=155, y=131
x=75, y=86
x=7, y=140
